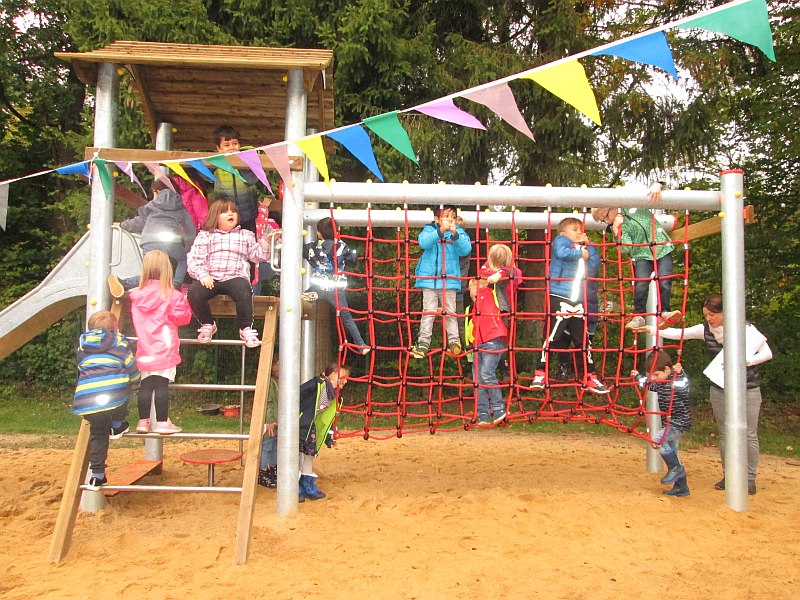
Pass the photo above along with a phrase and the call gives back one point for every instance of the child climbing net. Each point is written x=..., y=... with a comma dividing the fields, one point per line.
x=397, y=394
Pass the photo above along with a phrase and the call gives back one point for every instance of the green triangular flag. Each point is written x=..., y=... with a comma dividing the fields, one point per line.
x=748, y=23
x=387, y=127
x=105, y=177
x=221, y=162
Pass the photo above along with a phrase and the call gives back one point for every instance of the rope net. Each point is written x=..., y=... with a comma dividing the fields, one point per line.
x=391, y=393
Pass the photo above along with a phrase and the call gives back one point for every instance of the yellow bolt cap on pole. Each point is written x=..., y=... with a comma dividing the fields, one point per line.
x=93, y=302
x=721, y=214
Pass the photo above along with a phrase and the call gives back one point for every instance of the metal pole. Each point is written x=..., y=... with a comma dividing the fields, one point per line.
x=291, y=309
x=733, y=285
x=101, y=217
x=309, y=343
x=398, y=194
x=154, y=447
x=651, y=400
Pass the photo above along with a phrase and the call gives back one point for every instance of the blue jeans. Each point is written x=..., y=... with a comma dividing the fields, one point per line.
x=344, y=312
x=485, y=372
x=265, y=273
x=669, y=439
x=269, y=452
x=642, y=270
x=177, y=255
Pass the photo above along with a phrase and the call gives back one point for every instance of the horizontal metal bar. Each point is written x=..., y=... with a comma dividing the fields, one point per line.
x=213, y=386
x=163, y=488
x=190, y=436
x=195, y=341
x=419, y=218
x=505, y=195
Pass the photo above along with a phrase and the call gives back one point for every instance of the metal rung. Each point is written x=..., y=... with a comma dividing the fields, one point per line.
x=162, y=488
x=190, y=436
x=211, y=342
x=222, y=387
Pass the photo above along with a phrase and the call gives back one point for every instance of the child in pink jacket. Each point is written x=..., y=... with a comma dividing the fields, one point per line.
x=157, y=309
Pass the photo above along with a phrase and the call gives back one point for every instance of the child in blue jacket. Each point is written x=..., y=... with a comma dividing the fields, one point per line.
x=567, y=316
x=106, y=370
x=438, y=273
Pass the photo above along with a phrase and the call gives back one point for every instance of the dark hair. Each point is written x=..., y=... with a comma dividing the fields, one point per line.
x=158, y=185
x=215, y=210
x=325, y=228
x=713, y=303
x=657, y=361
x=334, y=367
x=439, y=209
x=226, y=132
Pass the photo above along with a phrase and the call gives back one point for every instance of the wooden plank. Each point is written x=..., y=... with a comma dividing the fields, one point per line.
x=244, y=524
x=130, y=474
x=70, y=501
x=707, y=227
x=135, y=154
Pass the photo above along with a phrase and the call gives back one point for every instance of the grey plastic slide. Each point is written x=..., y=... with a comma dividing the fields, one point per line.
x=63, y=290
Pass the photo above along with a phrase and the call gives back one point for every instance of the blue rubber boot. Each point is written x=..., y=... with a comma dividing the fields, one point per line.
x=680, y=489
x=676, y=470
x=309, y=489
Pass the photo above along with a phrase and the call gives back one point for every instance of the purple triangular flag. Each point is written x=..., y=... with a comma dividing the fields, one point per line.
x=445, y=110
x=500, y=100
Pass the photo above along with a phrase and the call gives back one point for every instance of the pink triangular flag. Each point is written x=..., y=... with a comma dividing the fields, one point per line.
x=445, y=110
x=155, y=169
x=252, y=160
x=500, y=100
x=279, y=155
x=127, y=168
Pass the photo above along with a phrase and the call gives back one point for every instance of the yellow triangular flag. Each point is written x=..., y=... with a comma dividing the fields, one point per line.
x=312, y=148
x=568, y=81
x=176, y=166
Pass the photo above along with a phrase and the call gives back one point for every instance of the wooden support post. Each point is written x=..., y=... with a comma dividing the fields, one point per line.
x=70, y=501
x=245, y=522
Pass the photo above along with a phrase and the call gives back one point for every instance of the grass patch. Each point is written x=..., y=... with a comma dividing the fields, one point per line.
x=36, y=412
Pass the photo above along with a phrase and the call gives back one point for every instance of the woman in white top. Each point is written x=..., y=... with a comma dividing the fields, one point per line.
x=758, y=351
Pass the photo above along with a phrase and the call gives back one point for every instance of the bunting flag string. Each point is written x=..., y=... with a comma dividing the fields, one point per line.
x=744, y=20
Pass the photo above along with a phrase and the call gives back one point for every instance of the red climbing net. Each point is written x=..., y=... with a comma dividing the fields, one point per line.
x=392, y=394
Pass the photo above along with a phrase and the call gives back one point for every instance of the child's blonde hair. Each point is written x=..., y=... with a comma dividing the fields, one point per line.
x=215, y=210
x=499, y=256
x=156, y=267
x=562, y=225
x=103, y=319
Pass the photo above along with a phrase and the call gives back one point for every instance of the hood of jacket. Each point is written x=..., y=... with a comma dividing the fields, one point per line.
x=147, y=298
x=96, y=341
x=168, y=200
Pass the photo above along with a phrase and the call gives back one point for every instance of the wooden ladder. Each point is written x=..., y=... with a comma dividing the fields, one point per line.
x=70, y=501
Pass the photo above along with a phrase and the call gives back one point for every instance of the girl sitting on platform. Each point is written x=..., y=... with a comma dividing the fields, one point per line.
x=220, y=262
x=157, y=309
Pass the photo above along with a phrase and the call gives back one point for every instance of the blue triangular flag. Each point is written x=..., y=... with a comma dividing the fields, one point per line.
x=356, y=140
x=81, y=168
x=650, y=49
x=199, y=166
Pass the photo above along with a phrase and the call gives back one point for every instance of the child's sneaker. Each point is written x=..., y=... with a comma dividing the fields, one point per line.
x=250, y=337
x=500, y=417
x=637, y=323
x=166, y=427
x=309, y=296
x=594, y=385
x=206, y=332
x=420, y=350
x=538, y=380
x=143, y=426
x=115, y=286
x=454, y=348
x=670, y=318
x=363, y=349
x=95, y=483
x=118, y=432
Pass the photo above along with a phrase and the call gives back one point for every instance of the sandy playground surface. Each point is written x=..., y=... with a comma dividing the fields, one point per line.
x=480, y=514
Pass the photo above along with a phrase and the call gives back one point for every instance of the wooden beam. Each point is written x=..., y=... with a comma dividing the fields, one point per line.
x=70, y=501
x=708, y=227
x=140, y=85
x=139, y=155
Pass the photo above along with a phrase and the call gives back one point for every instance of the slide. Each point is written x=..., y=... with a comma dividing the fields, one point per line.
x=63, y=290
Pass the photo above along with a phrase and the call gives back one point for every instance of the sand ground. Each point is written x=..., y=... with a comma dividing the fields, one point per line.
x=481, y=514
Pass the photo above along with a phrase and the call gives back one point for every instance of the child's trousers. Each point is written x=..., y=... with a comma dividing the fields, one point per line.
x=431, y=301
x=643, y=270
x=99, y=430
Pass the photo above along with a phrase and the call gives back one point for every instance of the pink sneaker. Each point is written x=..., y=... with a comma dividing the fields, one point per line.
x=206, y=332
x=166, y=427
x=250, y=337
x=143, y=426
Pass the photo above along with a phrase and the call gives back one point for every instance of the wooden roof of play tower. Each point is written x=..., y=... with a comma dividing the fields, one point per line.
x=197, y=87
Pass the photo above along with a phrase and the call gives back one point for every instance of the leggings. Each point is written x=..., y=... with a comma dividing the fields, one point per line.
x=154, y=386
